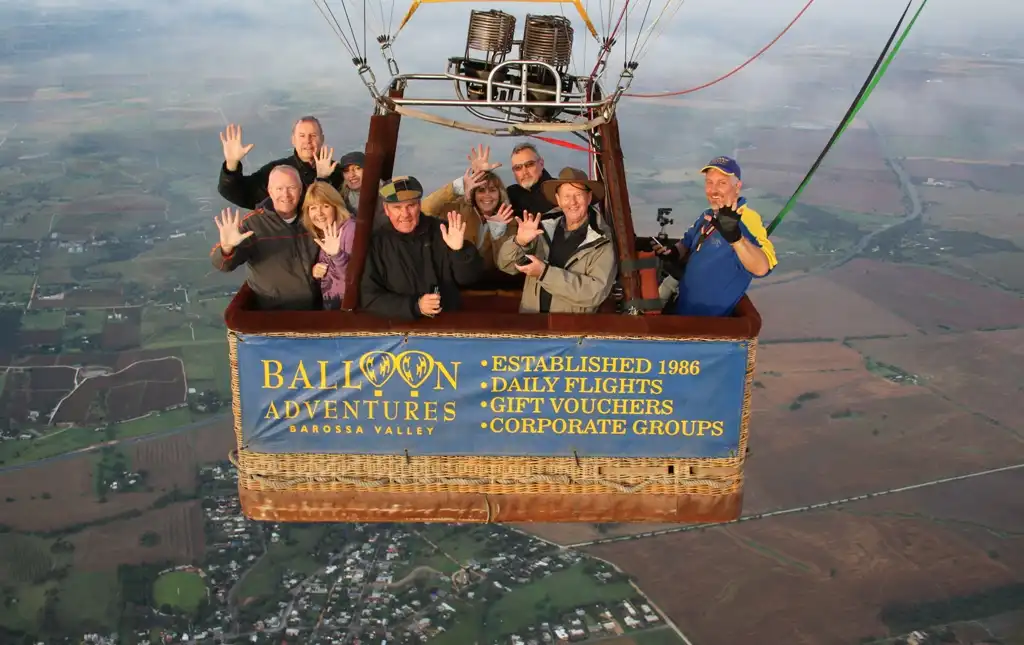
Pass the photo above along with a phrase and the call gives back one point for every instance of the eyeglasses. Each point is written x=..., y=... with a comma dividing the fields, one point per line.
x=524, y=166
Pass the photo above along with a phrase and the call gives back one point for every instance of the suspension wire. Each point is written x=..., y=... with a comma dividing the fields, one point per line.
x=734, y=70
x=640, y=34
x=351, y=30
x=877, y=72
x=332, y=22
x=365, y=50
x=658, y=26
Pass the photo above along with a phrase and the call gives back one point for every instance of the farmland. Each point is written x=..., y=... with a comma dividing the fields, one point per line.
x=788, y=576
x=179, y=528
x=62, y=493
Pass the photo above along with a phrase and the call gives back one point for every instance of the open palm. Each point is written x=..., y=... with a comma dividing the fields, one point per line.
x=331, y=244
x=229, y=226
x=454, y=234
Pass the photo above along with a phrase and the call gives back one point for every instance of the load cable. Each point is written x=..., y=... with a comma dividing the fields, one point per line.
x=877, y=72
x=734, y=70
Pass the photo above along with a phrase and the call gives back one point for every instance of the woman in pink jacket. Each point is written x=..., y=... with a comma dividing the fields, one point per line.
x=333, y=228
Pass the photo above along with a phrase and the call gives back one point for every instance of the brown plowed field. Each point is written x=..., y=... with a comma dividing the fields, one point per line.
x=127, y=392
x=170, y=460
x=180, y=527
x=858, y=149
x=965, y=209
x=993, y=177
x=815, y=307
x=928, y=299
x=834, y=190
x=981, y=371
x=823, y=577
x=83, y=298
x=37, y=389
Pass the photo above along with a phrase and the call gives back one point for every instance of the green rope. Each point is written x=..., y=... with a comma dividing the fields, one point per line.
x=845, y=123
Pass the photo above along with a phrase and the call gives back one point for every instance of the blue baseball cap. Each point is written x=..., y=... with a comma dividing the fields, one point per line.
x=727, y=165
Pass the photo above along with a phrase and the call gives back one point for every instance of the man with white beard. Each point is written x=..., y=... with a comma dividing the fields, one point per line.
x=569, y=264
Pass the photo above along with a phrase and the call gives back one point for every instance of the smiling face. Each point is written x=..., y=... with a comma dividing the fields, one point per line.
x=527, y=166
x=574, y=200
x=487, y=198
x=322, y=214
x=720, y=188
x=307, y=139
x=353, y=175
x=284, y=187
x=404, y=216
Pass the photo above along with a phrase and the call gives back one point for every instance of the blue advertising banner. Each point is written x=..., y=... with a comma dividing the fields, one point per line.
x=433, y=395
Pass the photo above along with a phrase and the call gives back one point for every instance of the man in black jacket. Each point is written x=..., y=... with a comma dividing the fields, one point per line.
x=415, y=265
x=275, y=248
x=308, y=157
x=530, y=174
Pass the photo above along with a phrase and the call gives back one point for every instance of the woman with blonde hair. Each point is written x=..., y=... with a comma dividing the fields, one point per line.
x=485, y=209
x=333, y=228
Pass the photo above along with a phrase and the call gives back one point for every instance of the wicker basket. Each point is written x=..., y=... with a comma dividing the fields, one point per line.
x=373, y=488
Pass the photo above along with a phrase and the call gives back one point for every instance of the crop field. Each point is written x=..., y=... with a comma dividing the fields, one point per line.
x=816, y=307
x=980, y=370
x=999, y=178
x=128, y=393
x=836, y=576
x=180, y=527
x=928, y=299
x=35, y=389
x=121, y=330
x=172, y=462
x=965, y=209
x=857, y=150
x=84, y=298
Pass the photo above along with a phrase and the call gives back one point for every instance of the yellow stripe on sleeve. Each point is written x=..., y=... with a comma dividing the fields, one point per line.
x=752, y=220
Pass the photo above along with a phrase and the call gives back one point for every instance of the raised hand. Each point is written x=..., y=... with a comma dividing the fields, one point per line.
x=319, y=270
x=529, y=228
x=454, y=234
x=503, y=215
x=430, y=304
x=331, y=244
x=234, y=151
x=479, y=159
x=325, y=163
x=472, y=179
x=229, y=225
x=727, y=222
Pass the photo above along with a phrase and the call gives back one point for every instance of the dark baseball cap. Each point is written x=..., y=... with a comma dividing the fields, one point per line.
x=353, y=159
x=727, y=165
x=401, y=189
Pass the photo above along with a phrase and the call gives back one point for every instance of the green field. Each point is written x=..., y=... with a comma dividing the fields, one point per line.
x=43, y=319
x=90, y=601
x=657, y=636
x=264, y=579
x=26, y=562
x=84, y=322
x=24, y=558
x=180, y=589
x=565, y=590
x=156, y=422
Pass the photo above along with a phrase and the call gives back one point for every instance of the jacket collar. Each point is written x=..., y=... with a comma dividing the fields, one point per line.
x=593, y=236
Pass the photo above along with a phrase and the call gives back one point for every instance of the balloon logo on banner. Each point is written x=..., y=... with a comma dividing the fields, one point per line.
x=415, y=368
x=377, y=367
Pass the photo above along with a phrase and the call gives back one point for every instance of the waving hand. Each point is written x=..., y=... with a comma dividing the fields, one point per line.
x=230, y=228
x=529, y=228
x=231, y=141
x=454, y=234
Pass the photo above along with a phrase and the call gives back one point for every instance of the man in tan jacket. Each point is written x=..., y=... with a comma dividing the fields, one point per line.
x=570, y=265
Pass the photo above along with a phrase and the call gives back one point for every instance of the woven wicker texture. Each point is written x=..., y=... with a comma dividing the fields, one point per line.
x=313, y=473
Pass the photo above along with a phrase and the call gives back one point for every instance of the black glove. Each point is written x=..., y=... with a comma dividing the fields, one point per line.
x=727, y=222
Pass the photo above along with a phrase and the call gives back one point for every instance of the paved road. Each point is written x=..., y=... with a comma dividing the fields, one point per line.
x=116, y=442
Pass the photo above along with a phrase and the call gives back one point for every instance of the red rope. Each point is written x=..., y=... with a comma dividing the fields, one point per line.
x=734, y=70
x=564, y=144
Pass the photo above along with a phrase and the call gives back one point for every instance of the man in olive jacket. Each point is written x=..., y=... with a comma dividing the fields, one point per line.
x=569, y=264
x=416, y=265
x=275, y=248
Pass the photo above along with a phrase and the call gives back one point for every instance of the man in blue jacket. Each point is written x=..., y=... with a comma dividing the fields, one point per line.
x=725, y=248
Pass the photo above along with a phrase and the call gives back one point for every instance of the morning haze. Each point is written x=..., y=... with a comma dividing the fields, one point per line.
x=890, y=354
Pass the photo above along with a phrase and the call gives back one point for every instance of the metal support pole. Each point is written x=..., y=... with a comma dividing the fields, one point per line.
x=381, y=144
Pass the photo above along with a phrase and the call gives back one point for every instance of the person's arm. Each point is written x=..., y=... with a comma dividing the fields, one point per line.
x=242, y=190
x=237, y=256
x=467, y=264
x=509, y=253
x=583, y=289
x=432, y=205
x=375, y=298
x=754, y=250
x=338, y=264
